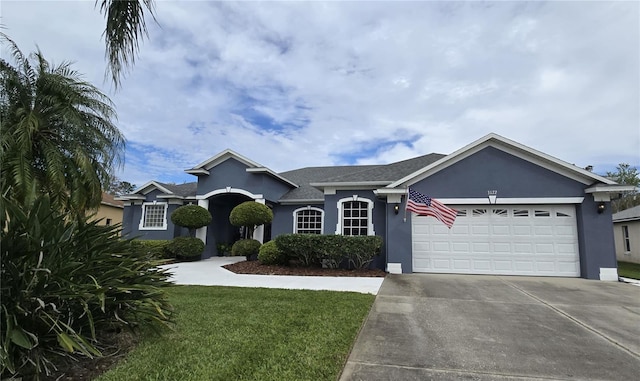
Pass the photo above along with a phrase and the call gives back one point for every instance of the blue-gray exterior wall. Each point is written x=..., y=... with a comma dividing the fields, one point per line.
x=232, y=173
x=283, y=218
x=595, y=239
x=512, y=177
x=133, y=214
x=378, y=216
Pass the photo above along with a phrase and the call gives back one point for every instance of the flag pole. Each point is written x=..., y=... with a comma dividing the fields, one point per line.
x=406, y=199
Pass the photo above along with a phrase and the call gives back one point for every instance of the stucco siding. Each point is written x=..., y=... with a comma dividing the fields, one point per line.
x=232, y=173
x=132, y=216
x=283, y=219
x=512, y=177
x=622, y=254
x=595, y=239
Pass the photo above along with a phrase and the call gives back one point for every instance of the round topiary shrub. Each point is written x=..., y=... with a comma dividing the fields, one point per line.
x=269, y=254
x=250, y=214
x=246, y=247
x=191, y=217
x=189, y=248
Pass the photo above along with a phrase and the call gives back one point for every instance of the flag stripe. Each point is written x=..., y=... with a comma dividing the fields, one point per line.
x=426, y=206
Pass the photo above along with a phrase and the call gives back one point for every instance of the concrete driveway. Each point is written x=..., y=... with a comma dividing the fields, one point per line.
x=451, y=327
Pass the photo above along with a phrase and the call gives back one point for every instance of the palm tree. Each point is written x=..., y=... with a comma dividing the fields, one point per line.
x=125, y=26
x=58, y=134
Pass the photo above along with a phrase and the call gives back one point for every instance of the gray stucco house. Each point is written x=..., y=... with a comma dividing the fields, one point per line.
x=520, y=211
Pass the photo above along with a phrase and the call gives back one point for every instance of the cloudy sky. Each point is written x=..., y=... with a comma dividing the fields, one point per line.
x=294, y=84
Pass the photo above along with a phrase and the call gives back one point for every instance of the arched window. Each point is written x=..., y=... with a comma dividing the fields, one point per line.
x=355, y=216
x=308, y=220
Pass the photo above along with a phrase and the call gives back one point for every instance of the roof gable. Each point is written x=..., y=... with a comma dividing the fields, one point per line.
x=227, y=154
x=516, y=149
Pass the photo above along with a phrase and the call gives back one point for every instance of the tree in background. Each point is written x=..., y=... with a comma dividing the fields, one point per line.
x=625, y=174
x=118, y=187
x=58, y=135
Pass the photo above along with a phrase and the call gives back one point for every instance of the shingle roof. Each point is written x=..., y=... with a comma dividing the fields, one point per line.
x=109, y=199
x=627, y=214
x=346, y=174
x=183, y=190
x=349, y=174
x=388, y=172
x=304, y=176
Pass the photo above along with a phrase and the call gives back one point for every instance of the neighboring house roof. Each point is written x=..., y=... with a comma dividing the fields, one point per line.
x=110, y=200
x=630, y=214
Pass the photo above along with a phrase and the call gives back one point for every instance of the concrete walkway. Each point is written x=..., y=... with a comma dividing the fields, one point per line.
x=209, y=272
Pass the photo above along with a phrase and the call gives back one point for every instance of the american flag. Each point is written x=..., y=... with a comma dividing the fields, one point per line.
x=424, y=205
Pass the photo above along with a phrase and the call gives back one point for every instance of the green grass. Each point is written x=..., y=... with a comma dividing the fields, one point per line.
x=228, y=333
x=629, y=270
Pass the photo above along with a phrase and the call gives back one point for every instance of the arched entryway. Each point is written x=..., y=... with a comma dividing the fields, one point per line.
x=220, y=202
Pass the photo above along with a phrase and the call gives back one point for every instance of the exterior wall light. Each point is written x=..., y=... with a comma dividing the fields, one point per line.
x=601, y=207
x=396, y=208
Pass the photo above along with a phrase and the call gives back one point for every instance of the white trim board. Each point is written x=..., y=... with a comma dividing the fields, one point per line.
x=512, y=201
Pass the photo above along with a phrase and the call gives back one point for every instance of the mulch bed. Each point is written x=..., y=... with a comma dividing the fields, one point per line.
x=255, y=267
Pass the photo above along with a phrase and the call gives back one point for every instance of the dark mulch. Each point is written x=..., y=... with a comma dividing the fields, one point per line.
x=115, y=348
x=255, y=267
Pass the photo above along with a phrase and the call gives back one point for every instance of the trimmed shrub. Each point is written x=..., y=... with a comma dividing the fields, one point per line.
x=67, y=284
x=191, y=217
x=246, y=247
x=330, y=250
x=250, y=214
x=186, y=247
x=269, y=254
x=154, y=249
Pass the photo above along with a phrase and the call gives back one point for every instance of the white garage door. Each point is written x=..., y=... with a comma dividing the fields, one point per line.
x=499, y=239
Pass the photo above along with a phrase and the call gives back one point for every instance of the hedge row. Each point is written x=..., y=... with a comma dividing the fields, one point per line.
x=155, y=249
x=330, y=250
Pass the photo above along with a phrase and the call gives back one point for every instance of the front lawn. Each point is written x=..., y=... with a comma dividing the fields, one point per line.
x=629, y=270
x=229, y=333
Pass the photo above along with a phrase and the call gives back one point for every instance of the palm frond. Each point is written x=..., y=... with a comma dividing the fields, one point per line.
x=125, y=28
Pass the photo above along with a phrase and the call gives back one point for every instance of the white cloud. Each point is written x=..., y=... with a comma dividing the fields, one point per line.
x=293, y=84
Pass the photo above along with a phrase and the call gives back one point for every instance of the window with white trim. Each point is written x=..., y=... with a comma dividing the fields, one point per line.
x=355, y=216
x=308, y=220
x=154, y=216
x=625, y=239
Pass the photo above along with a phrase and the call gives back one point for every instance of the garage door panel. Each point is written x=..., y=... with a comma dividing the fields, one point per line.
x=481, y=265
x=440, y=263
x=462, y=264
x=501, y=247
x=501, y=230
x=544, y=248
x=566, y=248
x=523, y=248
x=524, y=231
x=461, y=247
x=480, y=230
x=462, y=229
x=524, y=266
x=564, y=231
x=519, y=240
